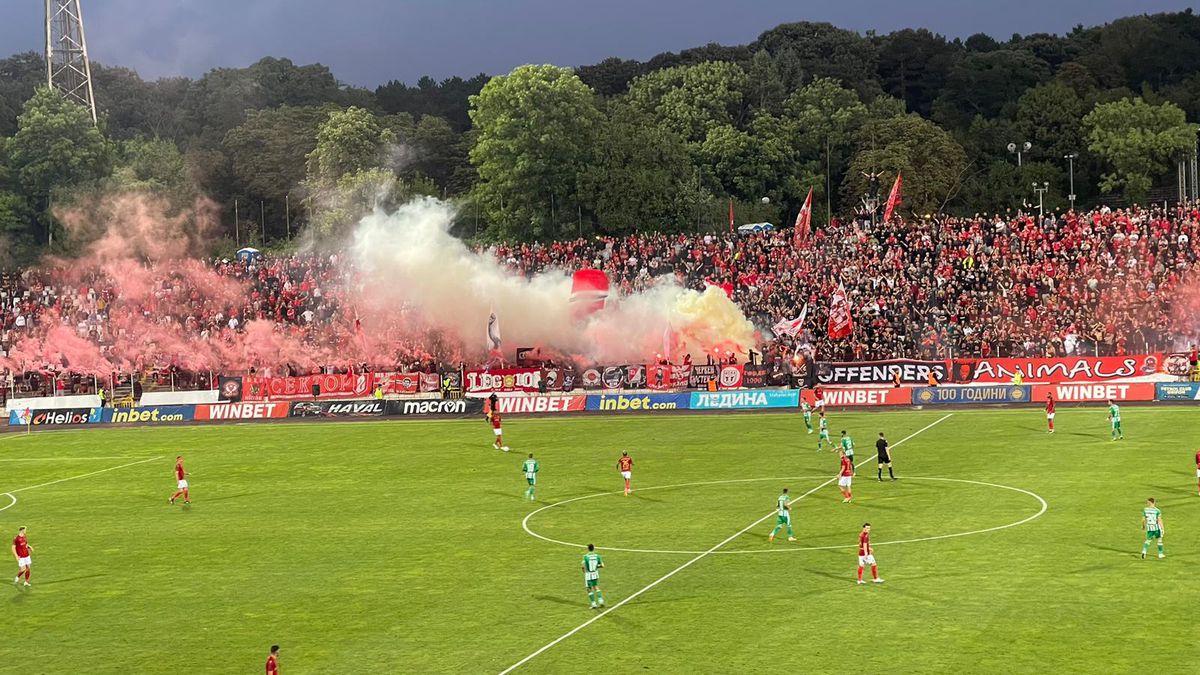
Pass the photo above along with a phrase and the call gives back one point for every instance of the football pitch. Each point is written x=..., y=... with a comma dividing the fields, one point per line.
x=410, y=547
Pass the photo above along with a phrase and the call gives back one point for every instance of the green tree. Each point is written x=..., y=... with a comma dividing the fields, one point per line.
x=347, y=141
x=356, y=193
x=824, y=118
x=1048, y=117
x=1137, y=140
x=268, y=151
x=536, y=129
x=989, y=84
x=57, y=146
x=824, y=50
x=933, y=163
x=914, y=65
x=691, y=101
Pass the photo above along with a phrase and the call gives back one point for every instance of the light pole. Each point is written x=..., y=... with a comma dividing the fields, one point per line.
x=1041, y=191
x=1071, y=163
x=1018, y=149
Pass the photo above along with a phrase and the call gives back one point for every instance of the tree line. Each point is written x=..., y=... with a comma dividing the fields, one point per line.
x=626, y=145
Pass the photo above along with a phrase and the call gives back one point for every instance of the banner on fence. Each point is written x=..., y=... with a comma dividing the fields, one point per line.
x=527, y=380
x=1177, y=391
x=730, y=376
x=971, y=394
x=56, y=417
x=745, y=399
x=402, y=383
x=435, y=407
x=701, y=374
x=1178, y=364
x=229, y=389
x=369, y=408
x=1100, y=391
x=1064, y=369
x=148, y=415
x=638, y=402
x=880, y=372
x=541, y=404
x=755, y=376
x=854, y=397
x=240, y=411
x=299, y=388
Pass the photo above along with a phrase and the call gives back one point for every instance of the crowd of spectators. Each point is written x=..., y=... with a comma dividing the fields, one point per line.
x=1105, y=282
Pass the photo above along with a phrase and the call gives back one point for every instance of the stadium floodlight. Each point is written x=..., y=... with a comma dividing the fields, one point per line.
x=1013, y=148
x=67, y=67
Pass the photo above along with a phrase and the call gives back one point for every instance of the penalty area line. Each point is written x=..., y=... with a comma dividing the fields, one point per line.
x=697, y=559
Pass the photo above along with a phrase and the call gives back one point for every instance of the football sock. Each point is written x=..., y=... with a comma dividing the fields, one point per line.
x=600, y=597
x=874, y=572
x=1159, y=550
x=790, y=530
x=879, y=473
x=775, y=531
x=890, y=472
x=860, y=574
x=1144, y=547
x=29, y=571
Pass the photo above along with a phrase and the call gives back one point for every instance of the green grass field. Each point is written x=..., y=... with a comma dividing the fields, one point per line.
x=399, y=547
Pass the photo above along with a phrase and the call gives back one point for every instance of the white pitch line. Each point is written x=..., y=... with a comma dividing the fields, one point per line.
x=83, y=475
x=696, y=559
x=12, y=503
x=57, y=459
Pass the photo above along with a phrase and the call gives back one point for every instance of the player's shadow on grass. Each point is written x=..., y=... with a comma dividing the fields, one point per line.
x=554, y=598
x=513, y=495
x=225, y=498
x=70, y=579
x=644, y=498
x=1122, y=551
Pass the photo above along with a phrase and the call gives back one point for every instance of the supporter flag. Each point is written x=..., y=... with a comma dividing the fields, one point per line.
x=840, y=322
x=804, y=219
x=893, y=199
x=731, y=214
x=791, y=327
x=667, y=342
x=493, y=333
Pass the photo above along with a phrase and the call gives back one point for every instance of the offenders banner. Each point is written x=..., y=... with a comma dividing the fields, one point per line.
x=541, y=404
x=1098, y=391
x=1177, y=391
x=971, y=394
x=638, y=402
x=435, y=407
x=880, y=372
x=855, y=397
x=369, y=408
x=1065, y=369
x=747, y=399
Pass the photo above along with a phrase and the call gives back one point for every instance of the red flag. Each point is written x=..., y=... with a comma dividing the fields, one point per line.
x=893, y=199
x=841, y=323
x=731, y=214
x=804, y=218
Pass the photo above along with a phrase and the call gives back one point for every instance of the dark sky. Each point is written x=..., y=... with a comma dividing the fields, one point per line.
x=367, y=42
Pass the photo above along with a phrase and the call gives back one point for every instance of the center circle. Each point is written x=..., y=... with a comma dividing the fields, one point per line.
x=1043, y=506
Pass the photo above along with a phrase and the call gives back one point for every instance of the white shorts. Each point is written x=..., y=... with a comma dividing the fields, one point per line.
x=182, y=484
x=496, y=430
x=1049, y=416
x=819, y=403
x=1198, y=472
x=626, y=475
x=864, y=560
x=23, y=562
x=844, y=481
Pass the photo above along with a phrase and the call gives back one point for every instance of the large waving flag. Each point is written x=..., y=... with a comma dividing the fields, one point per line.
x=731, y=214
x=893, y=199
x=804, y=219
x=791, y=327
x=493, y=333
x=841, y=323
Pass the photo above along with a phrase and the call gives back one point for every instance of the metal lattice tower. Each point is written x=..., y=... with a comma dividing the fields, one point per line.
x=67, y=67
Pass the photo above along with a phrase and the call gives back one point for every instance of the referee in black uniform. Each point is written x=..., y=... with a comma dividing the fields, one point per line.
x=882, y=457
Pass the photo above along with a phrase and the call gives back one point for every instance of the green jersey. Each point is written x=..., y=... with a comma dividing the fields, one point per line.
x=1151, y=514
x=806, y=409
x=783, y=504
x=824, y=425
x=530, y=467
x=848, y=446
x=591, y=566
x=1114, y=412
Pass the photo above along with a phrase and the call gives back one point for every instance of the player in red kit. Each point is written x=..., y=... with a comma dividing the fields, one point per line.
x=180, y=482
x=818, y=399
x=1198, y=472
x=1050, y=411
x=493, y=416
x=845, y=475
x=866, y=555
x=273, y=661
x=21, y=550
x=625, y=466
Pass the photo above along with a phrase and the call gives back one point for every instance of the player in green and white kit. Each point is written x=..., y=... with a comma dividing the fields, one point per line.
x=1152, y=523
x=592, y=564
x=823, y=432
x=784, y=518
x=1114, y=416
x=530, y=468
x=806, y=409
x=848, y=448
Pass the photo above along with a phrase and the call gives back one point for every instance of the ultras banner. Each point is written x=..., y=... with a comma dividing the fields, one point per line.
x=880, y=372
x=1064, y=369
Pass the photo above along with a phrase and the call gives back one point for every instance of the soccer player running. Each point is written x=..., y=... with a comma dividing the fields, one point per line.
x=866, y=555
x=845, y=474
x=180, y=482
x=1198, y=472
x=21, y=551
x=1153, y=525
x=823, y=433
x=592, y=564
x=848, y=448
x=806, y=409
x=273, y=661
x=1114, y=416
x=625, y=466
x=784, y=518
x=493, y=416
x=1050, y=412
x=530, y=467
x=883, y=456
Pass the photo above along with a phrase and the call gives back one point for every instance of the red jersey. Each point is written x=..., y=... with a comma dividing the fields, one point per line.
x=847, y=467
x=495, y=419
x=179, y=471
x=1198, y=459
x=22, y=545
x=1049, y=405
x=818, y=394
x=864, y=543
x=272, y=665
x=625, y=463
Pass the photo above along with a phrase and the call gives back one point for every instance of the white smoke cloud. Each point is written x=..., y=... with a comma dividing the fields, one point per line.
x=410, y=257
